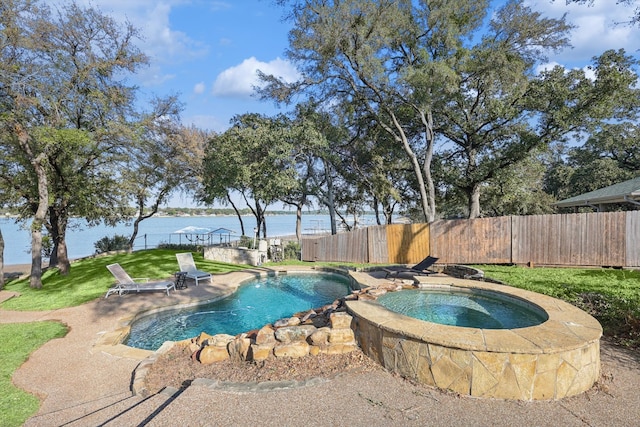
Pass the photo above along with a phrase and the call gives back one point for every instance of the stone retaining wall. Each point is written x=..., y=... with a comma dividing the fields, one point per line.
x=297, y=336
x=556, y=359
x=235, y=255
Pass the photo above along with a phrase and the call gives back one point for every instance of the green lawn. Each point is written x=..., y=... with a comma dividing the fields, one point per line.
x=90, y=279
x=18, y=341
x=610, y=295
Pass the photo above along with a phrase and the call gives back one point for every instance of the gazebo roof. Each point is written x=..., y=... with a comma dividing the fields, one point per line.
x=622, y=192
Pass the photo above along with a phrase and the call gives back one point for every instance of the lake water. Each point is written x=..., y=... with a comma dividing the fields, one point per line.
x=155, y=230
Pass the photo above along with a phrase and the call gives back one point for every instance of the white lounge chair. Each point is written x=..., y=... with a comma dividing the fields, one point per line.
x=187, y=265
x=127, y=284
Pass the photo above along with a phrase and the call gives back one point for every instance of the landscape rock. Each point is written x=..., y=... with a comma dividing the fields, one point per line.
x=266, y=335
x=311, y=314
x=294, y=333
x=294, y=349
x=221, y=340
x=203, y=339
x=211, y=354
x=259, y=352
x=340, y=320
x=281, y=323
x=341, y=336
x=239, y=348
x=320, y=337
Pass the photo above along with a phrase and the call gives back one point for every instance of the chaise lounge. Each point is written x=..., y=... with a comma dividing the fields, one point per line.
x=421, y=269
x=187, y=265
x=126, y=284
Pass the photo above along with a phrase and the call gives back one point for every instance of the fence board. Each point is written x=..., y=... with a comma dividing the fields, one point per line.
x=587, y=239
x=465, y=241
x=341, y=247
x=378, y=250
x=407, y=243
x=632, y=255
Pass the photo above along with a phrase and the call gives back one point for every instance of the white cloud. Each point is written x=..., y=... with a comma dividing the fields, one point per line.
x=163, y=44
x=240, y=80
x=546, y=67
x=207, y=122
x=597, y=29
x=199, y=88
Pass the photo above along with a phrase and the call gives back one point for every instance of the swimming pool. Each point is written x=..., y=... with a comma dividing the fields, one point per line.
x=255, y=304
x=464, y=307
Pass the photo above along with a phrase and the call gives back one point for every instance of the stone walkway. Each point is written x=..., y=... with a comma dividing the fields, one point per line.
x=83, y=382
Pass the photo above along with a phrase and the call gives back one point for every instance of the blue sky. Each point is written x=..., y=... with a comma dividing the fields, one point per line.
x=208, y=51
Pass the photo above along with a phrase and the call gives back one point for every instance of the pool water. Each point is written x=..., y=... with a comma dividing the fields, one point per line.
x=253, y=305
x=468, y=309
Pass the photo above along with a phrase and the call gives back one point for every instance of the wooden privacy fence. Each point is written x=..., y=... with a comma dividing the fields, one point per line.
x=586, y=239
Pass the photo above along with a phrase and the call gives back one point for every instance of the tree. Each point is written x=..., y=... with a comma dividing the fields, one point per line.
x=253, y=159
x=492, y=116
x=165, y=157
x=61, y=70
x=387, y=59
x=610, y=153
x=608, y=157
x=307, y=151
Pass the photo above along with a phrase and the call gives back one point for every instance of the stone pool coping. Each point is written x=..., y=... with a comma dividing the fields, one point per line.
x=567, y=327
x=553, y=360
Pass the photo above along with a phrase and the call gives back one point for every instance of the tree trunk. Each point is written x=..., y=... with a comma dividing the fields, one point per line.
x=427, y=121
x=134, y=234
x=1, y=261
x=474, y=202
x=422, y=172
x=330, y=199
x=35, y=280
x=235, y=208
x=299, y=222
x=58, y=230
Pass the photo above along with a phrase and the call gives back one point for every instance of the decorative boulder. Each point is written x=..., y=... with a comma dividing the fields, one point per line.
x=341, y=336
x=238, y=349
x=266, y=335
x=320, y=337
x=221, y=340
x=211, y=354
x=203, y=339
x=260, y=352
x=294, y=333
x=294, y=349
x=340, y=321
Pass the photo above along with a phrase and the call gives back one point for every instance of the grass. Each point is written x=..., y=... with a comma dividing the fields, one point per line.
x=610, y=295
x=90, y=279
x=18, y=341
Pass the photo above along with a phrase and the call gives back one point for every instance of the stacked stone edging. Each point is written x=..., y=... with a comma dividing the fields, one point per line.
x=554, y=360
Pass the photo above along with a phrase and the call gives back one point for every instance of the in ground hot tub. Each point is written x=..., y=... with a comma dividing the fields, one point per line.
x=555, y=357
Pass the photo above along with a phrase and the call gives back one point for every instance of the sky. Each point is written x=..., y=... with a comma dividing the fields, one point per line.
x=208, y=52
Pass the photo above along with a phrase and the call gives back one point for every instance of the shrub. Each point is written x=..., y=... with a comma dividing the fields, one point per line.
x=115, y=243
x=292, y=251
x=246, y=241
x=187, y=247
